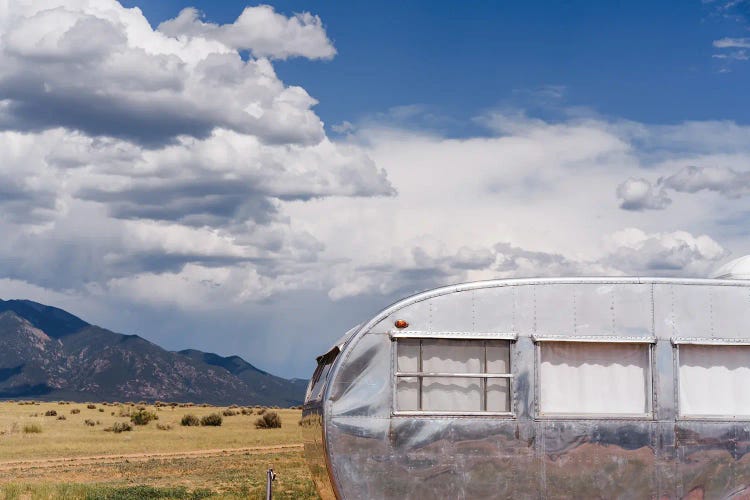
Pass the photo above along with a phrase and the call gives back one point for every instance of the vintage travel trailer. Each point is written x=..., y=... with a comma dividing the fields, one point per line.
x=540, y=388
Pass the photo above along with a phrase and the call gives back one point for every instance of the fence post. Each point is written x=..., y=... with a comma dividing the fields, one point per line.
x=270, y=478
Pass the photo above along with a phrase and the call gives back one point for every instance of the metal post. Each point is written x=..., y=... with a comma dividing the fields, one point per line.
x=270, y=478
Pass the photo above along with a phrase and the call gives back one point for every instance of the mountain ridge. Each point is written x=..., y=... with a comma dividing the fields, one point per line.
x=51, y=354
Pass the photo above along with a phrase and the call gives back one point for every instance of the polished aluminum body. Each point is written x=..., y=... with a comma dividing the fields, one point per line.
x=359, y=446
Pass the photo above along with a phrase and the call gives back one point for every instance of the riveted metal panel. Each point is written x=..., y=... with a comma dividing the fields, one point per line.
x=633, y=310
x=452, y=313
x=730, y=312
x=554, y=308
x=363, y=384
x=706, y=454
x=691, y=311
x=416, y=314
x=373, y=453
x=495, y=309
x=593, y=309
x=598, y=459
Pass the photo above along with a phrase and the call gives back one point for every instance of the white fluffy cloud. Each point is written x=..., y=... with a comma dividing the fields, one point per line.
x=158, y=169
x=142, y=85
x=533, y=199
x=261, y=31
x=635, y=251
x=640, y=194
x=152, y=159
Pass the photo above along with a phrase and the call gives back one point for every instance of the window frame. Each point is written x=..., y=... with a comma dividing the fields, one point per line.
x=677, y=342
x=321, y=374
x=539, y=340
x=483, y=376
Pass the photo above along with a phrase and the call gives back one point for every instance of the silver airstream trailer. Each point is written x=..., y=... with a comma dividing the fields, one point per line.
x=540, y=388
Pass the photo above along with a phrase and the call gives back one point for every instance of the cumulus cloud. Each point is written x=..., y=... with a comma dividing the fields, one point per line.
x=260, y=30
x=640, y=194
x=635, y=251
x=726, y=181
x=161, y=169
x=146, y=86
x=154, y=156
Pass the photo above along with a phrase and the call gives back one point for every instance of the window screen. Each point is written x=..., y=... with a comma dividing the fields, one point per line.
x=594, y=378
x=445, y=375
x=714, y=380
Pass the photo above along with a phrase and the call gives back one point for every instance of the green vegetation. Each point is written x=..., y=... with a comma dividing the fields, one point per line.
x=190, y=421
x=119, y=427
x=32, y=429
x=269, y=420
x=143, y=417
x=212, y=420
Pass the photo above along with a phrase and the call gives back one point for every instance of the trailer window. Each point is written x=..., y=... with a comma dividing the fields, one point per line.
x=584, y=378
x=317, y=382
x=714, y=380
x=453, y=376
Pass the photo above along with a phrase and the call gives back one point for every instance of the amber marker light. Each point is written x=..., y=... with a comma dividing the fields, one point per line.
x=400, y=323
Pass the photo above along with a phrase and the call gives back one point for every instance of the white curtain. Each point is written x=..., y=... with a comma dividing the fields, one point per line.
x=594, y=378
x=498, y=397
x=451, y=394
x=714, y=380
x=452, y=356
x=407, y=394
x=408, y=355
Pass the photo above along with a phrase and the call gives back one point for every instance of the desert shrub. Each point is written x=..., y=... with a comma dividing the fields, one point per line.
x=101, y=410
x=143, y=417
x=260, y=411
x=50, y=413
x=246, y=411
x=91, y=407
x=32, y=429
x=269, y=420
x=190, y=421
x=233, y=407
x=61, y=417
x=163, y=427
x=34, y=415
x=213, y=420
x=119, y=427
x=75, y=411
x=229, y=413
x=89, y=422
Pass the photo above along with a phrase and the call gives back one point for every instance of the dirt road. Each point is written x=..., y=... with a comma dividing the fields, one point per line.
x=141, y=457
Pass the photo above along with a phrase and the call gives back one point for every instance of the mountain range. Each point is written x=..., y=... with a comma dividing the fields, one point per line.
x=49, y=354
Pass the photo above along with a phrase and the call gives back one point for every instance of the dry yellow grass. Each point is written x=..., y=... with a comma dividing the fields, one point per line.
x=71, y=437
x=70, y=459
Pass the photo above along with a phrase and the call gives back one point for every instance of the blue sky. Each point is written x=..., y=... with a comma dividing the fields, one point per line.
x=638, y=60
x=255, y=180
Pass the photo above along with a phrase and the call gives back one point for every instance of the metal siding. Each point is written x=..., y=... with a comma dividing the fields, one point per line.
x=495, y=309
x=730, y=312
x=376, y=455
x=363, y=385
x=593, y=310
x=632, y=310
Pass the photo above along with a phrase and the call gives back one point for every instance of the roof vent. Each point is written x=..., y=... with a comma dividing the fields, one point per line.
x=737, y=269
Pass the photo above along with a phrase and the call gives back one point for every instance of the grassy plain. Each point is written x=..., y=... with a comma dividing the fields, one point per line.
x=70, y=459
